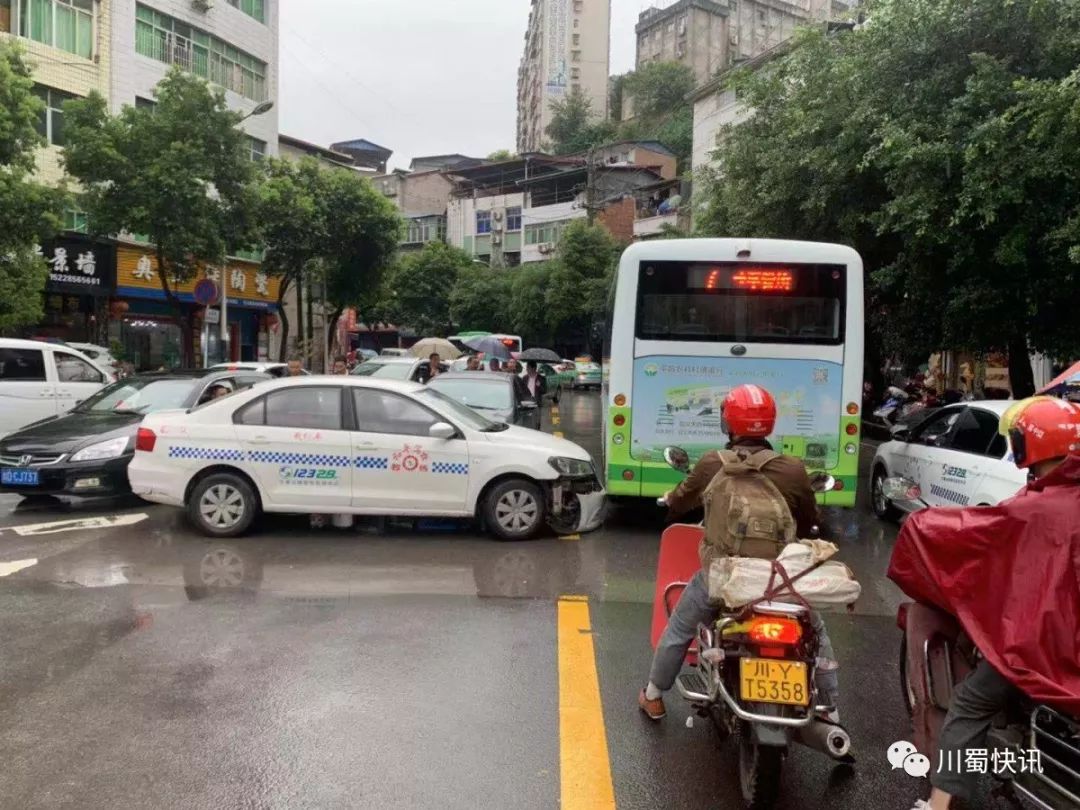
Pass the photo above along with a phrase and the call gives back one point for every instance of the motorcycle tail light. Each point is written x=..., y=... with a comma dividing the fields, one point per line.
x=145, y=440
x=772, y=652
x=774, y=631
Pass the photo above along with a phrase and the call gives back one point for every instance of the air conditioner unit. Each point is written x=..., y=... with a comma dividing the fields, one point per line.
x=496, y=240
x=545, y=247
x=734, y=39
x=202, y=5
x=497, y=215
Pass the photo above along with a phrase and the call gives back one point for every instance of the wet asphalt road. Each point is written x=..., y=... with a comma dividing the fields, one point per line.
x=381, y=667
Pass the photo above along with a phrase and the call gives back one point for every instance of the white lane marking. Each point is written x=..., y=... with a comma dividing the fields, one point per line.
x=9, y=568
x=79, y=524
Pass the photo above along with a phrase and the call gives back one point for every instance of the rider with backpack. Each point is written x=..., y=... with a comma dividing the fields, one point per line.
x=756, y=502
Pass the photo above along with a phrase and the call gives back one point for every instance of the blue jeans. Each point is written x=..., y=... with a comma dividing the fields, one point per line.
x=694, y=609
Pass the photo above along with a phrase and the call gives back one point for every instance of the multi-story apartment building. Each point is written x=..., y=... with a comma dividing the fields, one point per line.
x=567, y=48
x=69, y=45
x=514, y=212
x=232, y=43
x=712, y=35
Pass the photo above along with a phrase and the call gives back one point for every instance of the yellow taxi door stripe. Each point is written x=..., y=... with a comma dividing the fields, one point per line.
x=583, y=753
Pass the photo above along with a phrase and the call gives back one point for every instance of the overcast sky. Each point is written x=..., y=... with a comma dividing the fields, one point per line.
x=421, y=77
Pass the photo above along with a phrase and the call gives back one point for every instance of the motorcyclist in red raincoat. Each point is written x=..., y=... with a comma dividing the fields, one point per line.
x=1043, y=432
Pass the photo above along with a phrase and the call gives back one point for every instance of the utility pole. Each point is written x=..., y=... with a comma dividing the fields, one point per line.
x=590, y=186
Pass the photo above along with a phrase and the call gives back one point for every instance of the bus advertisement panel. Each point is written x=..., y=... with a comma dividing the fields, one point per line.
x=693, y=318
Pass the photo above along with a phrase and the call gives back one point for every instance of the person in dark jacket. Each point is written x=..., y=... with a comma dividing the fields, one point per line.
x=749, y=415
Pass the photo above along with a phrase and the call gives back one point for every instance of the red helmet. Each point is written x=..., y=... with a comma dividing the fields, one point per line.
x=748, y=410
x=1041, y=428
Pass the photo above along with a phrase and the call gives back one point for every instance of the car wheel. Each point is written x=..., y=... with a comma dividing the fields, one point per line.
x=223, y=505
x=514, y=510
x=883, y=507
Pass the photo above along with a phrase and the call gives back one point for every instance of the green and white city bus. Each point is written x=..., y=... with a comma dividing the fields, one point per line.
x=692, y=318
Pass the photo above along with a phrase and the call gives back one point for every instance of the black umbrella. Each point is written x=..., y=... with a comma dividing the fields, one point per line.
x=539, y=355
x=490, y=346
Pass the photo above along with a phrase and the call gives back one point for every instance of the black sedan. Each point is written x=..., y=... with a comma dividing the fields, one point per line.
x=498, y=396
x=86, y=451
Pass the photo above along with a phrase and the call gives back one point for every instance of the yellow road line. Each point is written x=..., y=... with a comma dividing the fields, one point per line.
x=583, y=753
x=554, y=420
x=570, y=537
x=558, y=434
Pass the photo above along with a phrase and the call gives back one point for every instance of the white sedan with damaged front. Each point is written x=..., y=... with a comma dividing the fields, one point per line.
x=360, y=446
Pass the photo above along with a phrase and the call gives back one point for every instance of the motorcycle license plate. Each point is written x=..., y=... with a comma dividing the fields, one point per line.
x=765, y=681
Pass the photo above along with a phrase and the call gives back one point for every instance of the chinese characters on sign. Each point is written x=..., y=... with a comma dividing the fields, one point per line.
x=143, y=269
x=79, y=266
x=139, y=269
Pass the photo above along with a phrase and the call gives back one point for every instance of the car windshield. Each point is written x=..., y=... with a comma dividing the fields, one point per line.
x=388, y=371
x=449, y=407
x=588, y=368
x=483, y=395
x=139, y=395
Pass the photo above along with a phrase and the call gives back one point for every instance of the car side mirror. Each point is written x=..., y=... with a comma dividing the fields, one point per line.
x=442, y=430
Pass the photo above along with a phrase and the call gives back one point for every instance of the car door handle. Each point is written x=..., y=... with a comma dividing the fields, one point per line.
x=260, y=440
x=365, y=444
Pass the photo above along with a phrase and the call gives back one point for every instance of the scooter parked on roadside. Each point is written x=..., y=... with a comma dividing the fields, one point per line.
x=936, y=655
x=753, y=669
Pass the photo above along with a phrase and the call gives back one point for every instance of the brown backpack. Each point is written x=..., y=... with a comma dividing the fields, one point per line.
x=745, y=513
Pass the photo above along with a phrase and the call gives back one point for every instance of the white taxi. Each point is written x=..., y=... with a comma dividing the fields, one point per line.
x=362, y=446
x=955, y=455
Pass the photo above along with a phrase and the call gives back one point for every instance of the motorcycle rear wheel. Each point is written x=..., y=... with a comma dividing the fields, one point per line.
x=759, y=772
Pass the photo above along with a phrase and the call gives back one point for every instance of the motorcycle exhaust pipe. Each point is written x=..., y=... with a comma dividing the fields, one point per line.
x=828, y=738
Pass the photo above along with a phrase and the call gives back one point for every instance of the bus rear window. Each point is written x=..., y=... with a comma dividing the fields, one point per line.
x=741, y=302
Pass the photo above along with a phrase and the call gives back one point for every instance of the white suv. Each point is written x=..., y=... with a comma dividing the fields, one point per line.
x=39, y=380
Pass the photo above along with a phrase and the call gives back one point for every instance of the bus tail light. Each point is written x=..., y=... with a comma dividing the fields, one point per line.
x=852, y=429
x=838, y=485
x=620, y=400
x=852, y=408
x=619, y=420
x=628, y=475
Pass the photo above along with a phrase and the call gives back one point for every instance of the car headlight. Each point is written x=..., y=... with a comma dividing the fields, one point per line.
x=571, y=466
x=102, y=450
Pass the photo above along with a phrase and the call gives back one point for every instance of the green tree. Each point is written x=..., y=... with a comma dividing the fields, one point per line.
x=659, y=88
x=479, y=298
x=500, y=155
x=574, y=126
x=580, y=278
x=179, y=172
x=364, y=230
x=29, y=212
x=526, y=309
x=294, y=229
x=941, y=142
x=422, y=283
x=662, y=113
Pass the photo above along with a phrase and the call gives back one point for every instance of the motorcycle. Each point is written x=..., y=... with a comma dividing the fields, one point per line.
x=936, y=655
x=895, y=399
x=753, y=672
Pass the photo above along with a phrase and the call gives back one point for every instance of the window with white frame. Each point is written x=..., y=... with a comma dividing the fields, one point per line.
x=174, y=42
x=50, y=123
x=64, y=24
x=483, y=222
x=257, y=149
x=513, y=218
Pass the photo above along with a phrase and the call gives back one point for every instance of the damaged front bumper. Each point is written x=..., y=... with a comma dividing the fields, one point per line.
x=576, y=504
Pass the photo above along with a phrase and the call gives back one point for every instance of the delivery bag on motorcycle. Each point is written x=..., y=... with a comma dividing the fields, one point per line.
x=745, y=513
